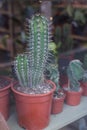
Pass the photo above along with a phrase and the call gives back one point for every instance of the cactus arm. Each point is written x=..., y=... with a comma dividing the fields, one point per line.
x=22, y=70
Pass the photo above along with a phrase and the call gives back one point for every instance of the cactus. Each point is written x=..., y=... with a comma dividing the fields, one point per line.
x=54, y=74
x=62, y=37
x=21, y=65
x=75, y=73
x=66, y=36
x=84, y=78
x=38, y=33
x=85, y=62
x=57, y=34
x=66, y=30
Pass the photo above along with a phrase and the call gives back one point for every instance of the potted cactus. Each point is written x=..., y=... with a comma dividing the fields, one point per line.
x=33, y=93
x=84, y=78
x=75, y=72
x=5, y=84
x=59, y=96
x=53, y=75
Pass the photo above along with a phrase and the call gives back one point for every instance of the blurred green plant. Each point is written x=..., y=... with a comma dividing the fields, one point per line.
x=62, y=38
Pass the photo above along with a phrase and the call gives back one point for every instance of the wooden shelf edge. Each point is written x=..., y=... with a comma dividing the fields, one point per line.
x=5, y=12
x=74, y=5
x=7, y=64
x=3, y=30
x=83, y=38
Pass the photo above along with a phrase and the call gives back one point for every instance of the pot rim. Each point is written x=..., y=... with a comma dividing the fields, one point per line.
x=63, y=97
x=71, y=91
x=34, y=95
x=75, y=92
x=8, y=86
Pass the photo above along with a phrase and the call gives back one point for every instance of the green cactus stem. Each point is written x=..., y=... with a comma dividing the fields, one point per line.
x=66, y=30
x=21, y=65
x=57, y=34
x=39, y=38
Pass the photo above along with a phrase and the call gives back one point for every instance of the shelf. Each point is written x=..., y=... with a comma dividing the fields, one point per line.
x=7, y=64
x=74, y=5
x=69, y=115
x=83, y=38
x=3, y=124
x=3, y=30
x=4, y=12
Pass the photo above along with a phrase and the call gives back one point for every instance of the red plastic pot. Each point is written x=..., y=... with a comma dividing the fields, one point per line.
x=57, y=105
x=34, y=110
x=84, y=87
x=73, y=98
x=4, y=100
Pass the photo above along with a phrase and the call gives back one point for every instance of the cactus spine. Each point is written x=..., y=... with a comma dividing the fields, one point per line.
x=38, y=37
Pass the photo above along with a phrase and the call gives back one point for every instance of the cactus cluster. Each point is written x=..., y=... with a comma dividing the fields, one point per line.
x=30, y=66
x=75, y=73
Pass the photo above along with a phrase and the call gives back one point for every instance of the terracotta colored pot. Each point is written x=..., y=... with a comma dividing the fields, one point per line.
x=57, y=105
x=84, y=87
x=4, y=100
x=73, y=98
x=34, y=110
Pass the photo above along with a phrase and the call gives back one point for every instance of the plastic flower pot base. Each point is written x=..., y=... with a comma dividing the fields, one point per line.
x=34, y=110
x=57, y=105
x=73, y=98
x=4, y=100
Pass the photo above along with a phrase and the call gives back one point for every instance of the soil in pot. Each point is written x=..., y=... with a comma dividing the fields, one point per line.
x=57, y=102
x=5, y=84
x=34, y=109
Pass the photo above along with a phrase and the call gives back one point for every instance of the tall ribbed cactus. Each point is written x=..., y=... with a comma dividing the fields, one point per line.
x=38, y=37
x=75, y=73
